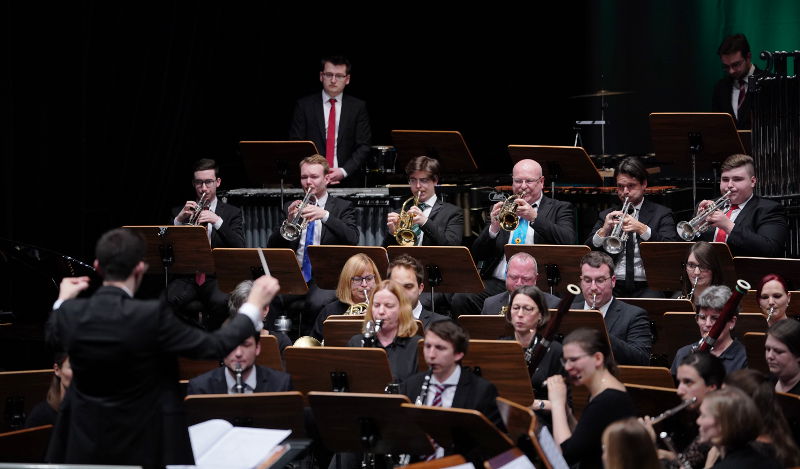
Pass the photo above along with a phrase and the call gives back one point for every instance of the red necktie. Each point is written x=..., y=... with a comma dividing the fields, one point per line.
x=742, y=92
x=330, y=143
x=721, y=234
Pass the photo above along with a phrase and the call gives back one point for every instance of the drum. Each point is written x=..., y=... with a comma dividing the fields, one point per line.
x=382, y=159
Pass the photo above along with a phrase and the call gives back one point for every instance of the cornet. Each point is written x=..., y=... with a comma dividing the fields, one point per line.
x=290, y=230
x=202, y=204
x=508, y=218
x=405, y=235
x=614, y=242
x=689, y=230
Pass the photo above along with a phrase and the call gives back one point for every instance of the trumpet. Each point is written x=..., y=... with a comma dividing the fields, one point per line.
x=202, y=204
x=614, y=242
x=508, y=217
x=689, y=230
x=290, y=230
x=405, y=235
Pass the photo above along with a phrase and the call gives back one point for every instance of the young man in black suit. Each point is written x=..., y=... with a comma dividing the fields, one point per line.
x=410, y=274
x=338, y=124
x=645, y=221
x=753, y=226
x=123, y=405
x=731, y=93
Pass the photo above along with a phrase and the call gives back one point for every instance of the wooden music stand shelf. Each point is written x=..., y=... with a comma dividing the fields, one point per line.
x=558, y=264
x=667, y=261
x=453, y=265
x=328, y=261
x=313, y=369
x=237, y=265
x=447, y=146
x=282, y=410
x=275, y=162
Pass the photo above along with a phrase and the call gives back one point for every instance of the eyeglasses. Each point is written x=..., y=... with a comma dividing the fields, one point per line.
x=565, y=360
x=692, y=266
x=358, y=280
x=204, y=182
x=524, y=309
x=527, y=181
x=331, y=76
x=415, y=181
x=598, y=281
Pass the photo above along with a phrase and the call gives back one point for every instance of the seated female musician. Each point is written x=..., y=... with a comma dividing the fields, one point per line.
x=773, y=298
x=775, y=430
x=783, y=355
x=730, y=421
x=528, y=314
x=588, y=362
x=699, y=373
x=703, y=269
x=398, y=332
x=359, y=274
x=627, y=445
x=709, y=306
x=46, y=412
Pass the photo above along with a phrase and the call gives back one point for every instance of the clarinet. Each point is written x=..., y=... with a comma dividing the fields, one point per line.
x=423, y=392
x=371, y=333
x=536, y=351
x=728, y=311
x=671, y=446
x=238, y=373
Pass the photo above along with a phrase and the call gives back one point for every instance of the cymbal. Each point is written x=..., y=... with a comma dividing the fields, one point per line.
x=599, y=93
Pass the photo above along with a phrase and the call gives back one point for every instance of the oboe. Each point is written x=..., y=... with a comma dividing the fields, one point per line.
x=238, y=373
x=423, y=392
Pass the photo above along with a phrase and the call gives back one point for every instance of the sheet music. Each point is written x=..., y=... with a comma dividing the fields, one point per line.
x=551, y=449
x=217, y=444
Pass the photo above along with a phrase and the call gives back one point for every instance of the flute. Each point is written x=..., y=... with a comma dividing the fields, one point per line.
x=669, y=413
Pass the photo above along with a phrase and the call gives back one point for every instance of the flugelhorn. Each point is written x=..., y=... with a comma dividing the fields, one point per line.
x=405, y=235
x=202, y=204
x=689, y=230
x=614, y=242
x=290, y=229
x=508, y=218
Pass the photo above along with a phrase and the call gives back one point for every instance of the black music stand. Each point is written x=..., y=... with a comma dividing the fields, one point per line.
x=328, y=261
x=695, y=140
x=338, y=369
x=559, y=164
x=236, y=265
x=555, y=262
x=447, y=146
x=665, y=263
x=753, y=269
x=275, y=162
x=448, y=269
x=180, y=249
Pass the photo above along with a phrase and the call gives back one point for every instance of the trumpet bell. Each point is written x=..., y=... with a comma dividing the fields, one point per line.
x=290, y=231
x=686, y=231
x=406, y=237
x=612, y=245
x=307, y=341
x=509, y=221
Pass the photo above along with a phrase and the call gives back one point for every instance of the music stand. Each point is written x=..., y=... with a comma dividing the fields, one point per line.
x=337, y=331
x=339, y=369
x=753, y=269
x=260, y=410
x=555, y=262
x=275, y=162
x=652, y=400
x=368, y=423
x=237, y=265
x=19, y=392
x=521, y=424
x=462, y=431
x=667, y=262
x=28, y=445
x=328, y=261
x=448, y=269
x=694, y=140
x=646, y=375
x=754, y=345
x=486, y=326
x=559, y=164
x=180, y=249
x=447, y=146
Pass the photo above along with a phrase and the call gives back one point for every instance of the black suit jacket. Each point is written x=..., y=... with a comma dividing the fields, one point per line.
x=231, y=234
x=472, y=392
x=354, y=133
x=759, y=230
x=213, y=382
x=494, y=303
x=124, y=405
x=555, y=224
x=629, y=331
x=340, y=228
x=445, y=226
x=722, y=95
x=428, y=317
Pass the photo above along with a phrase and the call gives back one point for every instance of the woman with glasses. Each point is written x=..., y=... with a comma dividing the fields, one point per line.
x=528, y=314
x=709, y=306
x=773, y=298
x=588, y=362
x=703, y=269
x=783, y=355
x=359, y=277
x=398, y=332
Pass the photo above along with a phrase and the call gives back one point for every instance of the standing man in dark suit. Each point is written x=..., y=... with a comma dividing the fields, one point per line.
x=731, y=92
x=522, y=271
x=331, y=220
x=627, y=325
x=254, y=378
x=124, y=406
x=645, y=221
x=338, y=124
x=753, y=226
x=435, y=222
x=410, y=274
x=542, y=220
